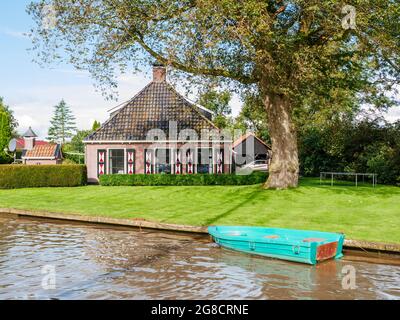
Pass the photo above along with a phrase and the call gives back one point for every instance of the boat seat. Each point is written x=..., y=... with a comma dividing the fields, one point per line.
x=237, y=233
x=313, y=240
x=272, y=236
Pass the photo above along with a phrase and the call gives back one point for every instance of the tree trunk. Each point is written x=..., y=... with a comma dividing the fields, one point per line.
x=284, y=167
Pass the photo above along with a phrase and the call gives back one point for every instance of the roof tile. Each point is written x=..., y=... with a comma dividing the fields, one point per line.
x=152, y=108
x=42, y=151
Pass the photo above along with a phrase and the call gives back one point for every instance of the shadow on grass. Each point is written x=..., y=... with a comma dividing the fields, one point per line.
x=252, y=196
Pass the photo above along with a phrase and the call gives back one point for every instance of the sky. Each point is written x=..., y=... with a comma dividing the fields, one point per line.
x=32, y=91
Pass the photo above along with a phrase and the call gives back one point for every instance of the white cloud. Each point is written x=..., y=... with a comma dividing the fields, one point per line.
x=14, y=33
x=393, y=114
x=78, y=73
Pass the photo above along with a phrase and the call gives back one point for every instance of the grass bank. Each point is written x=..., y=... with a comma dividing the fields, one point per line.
x=363, y=213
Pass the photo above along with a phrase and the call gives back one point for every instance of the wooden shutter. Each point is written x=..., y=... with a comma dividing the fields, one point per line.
x=178, y=162
x=189, y=162
x=130, y=161
x=220, y=161
x=101, y=162
x=148, y=161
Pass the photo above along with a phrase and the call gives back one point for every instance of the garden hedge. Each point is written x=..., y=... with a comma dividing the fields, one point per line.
x=23, y=176
x=182, y=180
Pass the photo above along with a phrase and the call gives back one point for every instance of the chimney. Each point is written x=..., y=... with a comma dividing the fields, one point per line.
x=29, y=139
x=159, y=72
x=29, y=143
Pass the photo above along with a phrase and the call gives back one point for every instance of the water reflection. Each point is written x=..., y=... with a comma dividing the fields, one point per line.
x=107, y=263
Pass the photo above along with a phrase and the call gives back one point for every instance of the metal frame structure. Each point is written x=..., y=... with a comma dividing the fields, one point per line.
x=356, y=174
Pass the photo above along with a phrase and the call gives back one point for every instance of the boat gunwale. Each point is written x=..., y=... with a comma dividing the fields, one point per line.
x=331, y=237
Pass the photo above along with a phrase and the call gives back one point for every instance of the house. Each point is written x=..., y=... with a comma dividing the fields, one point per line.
x=36, y=152
x=158, y=131
x=249, y=148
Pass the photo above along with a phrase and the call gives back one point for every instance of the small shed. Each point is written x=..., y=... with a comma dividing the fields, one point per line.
x=34, y=153
x=249, y=148
x=47, y=154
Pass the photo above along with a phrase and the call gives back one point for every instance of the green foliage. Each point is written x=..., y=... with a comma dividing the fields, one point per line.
x=23, y=176
x=297, y=48
x=217, y=102
x=348, y=145
x=62, y=125
x=6, y=131
x=253, y=117
x=96, y=125
x=76, y=144
x=72, y=149
x=182, y=180
x=13, y=122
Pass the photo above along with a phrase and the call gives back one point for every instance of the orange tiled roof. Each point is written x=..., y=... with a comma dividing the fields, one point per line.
x=43, y=151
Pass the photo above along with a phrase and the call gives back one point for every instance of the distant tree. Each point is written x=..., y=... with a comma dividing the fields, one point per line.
x=96, y=125
x=253, y=117
x=11, y=118
x=217, y=102
x=352, y=144
x=8, y=125
x=5, y=135
x=62, y=124
x=77, y=140
x=75, y=146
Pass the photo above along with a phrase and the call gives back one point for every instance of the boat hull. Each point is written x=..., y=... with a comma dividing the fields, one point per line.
x=301, y=246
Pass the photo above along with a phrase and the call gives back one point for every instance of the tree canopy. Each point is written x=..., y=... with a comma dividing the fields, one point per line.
x=296, y=55
x=218, y=103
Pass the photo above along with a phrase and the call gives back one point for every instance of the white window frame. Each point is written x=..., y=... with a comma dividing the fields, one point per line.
x=171, y=159
x=109, y=157
x=212, y=160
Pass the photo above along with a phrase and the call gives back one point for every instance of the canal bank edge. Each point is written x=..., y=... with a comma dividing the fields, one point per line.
x=141, y=223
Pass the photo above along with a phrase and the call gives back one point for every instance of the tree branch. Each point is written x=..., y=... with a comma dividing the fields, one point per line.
x=217, y=72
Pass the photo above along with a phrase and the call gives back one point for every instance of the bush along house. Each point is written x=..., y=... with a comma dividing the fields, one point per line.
x=158, y=132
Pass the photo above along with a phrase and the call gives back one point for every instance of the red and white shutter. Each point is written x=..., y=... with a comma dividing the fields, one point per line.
x=178, y=162
x=148, y=162
x=189, y=162
x=220, y=161
x=130, y=161
x=101, y=162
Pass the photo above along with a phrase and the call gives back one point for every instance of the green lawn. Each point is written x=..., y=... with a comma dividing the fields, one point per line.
x=362, y=213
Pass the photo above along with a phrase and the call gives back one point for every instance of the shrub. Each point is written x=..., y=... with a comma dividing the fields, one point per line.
x=23, y=176
x=182, y=180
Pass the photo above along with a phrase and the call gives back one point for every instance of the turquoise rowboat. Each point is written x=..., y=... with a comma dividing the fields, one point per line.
x=303, y=246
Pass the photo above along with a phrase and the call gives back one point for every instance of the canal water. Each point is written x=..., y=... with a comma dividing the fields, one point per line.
x=48, y=260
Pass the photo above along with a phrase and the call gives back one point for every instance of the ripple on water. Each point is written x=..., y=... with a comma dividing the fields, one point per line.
x=106, y=263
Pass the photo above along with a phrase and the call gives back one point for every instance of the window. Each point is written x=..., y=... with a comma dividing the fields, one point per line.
x=204, y=160
x=117, y=161
x=260, y=162
x=163, y=161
